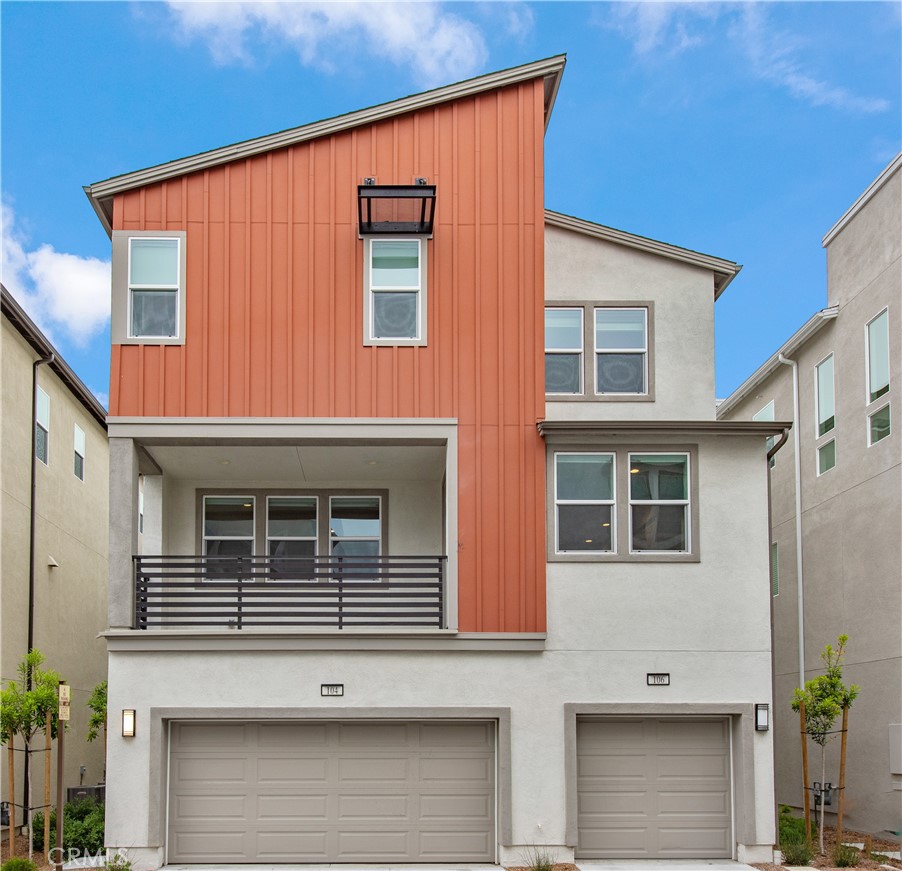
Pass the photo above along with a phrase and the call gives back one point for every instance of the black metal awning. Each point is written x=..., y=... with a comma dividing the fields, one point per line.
x=390, y=209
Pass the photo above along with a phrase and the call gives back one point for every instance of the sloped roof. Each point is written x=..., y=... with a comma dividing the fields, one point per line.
x=724, y=270
x=29, y=331
x=101, y=193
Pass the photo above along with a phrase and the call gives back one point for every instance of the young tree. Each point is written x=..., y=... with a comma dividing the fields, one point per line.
x=97, y=704
x=825, y=697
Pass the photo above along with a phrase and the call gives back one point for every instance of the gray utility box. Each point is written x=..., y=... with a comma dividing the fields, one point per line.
x=79, y=793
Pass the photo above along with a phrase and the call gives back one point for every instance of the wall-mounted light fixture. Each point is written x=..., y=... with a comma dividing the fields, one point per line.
x=762, y=718
x=128, y=723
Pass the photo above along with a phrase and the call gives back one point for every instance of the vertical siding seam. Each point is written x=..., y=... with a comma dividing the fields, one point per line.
x=477, y=333
x=183, y=349
x=227, y=286
x=416, y=351
x=355, y=285
x=435, y=410
x=540, y=572
x=248, y=224
x=395, y=373
x=267, y=351
x=500, y=297
x=524, y=406
x=205, y=288
x=289, y=285
x=310, y=410
x=330, y=261
x=143, y=410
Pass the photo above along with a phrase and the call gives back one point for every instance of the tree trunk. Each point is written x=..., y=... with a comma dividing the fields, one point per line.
x=27, y=812
x=806, y=792
x=823, y=791
x=11, y=760
x=842, y=774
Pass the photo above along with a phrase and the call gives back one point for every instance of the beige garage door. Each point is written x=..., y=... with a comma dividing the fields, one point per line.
x=319, y=791
x=653, y=788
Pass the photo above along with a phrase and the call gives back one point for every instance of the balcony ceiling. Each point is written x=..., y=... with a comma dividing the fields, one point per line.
x=301, y=464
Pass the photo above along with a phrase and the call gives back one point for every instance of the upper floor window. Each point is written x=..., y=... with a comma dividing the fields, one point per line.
x=599, y=351
x=394, y=292
x=878, y=425
x=564, y=351
x=878, y=356
x=148, y=305
x=825, y=398
x=584, y=502
x=228, y=529
x=659, y=503
x=42, y=427
x=79, y=453
x=291, y=526
x=621, y=350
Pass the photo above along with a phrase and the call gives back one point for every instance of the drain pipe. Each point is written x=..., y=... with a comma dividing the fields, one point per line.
x=798, y=488
x=31, y=523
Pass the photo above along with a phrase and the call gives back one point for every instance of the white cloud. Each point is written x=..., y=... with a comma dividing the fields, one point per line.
x=437, y=45
x=102, y=397
x=664, y=30
x=65, y=294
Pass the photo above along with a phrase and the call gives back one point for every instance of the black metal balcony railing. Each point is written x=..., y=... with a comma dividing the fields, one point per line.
x=175, y=592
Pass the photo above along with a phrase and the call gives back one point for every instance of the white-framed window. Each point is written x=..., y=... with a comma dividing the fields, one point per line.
x=564, y=351
x=291, y=526
x=584, y=502
x=659, y=503
x=394, y=291
x=774, y=569
x=877, y=356
x=355, y=526
x=42, y=427
x=768, y=414
x=878, y=425
x=149, y=286
x=79, y=453
x=621, y=350
x=824, y=397
x=228, y=526
x=826, y=457
x=154, y=284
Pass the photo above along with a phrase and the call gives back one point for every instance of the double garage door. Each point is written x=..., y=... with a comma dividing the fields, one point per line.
x=322, y=791
x=653, y=788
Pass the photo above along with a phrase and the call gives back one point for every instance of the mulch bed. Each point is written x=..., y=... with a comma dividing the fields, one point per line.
x=824, y=860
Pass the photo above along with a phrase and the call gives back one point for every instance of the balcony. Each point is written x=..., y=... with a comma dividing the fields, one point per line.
x=259, y=592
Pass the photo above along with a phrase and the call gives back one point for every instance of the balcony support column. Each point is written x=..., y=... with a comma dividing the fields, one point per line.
x=124, y=468
x=154, y=539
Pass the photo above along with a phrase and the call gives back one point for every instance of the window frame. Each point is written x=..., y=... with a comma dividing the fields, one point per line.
x=420, y=340
x=229, y=495
x=44, y=426
x=612, y=502
x=260, y=496
x=268, y=538
x=622, y=546
x=333, y=538
x=588, y=373
x=78, y=454
x=870, y=415
x=121, y=307
x=562, y=351
x=867, y=359
x=817, y=457
x=818, y=435
x=629, y=352
x=687, y=502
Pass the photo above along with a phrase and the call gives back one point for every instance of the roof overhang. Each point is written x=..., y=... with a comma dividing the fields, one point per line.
x=550, y=69
x=575, y=431
x=29, y=331
x=811, y=327
x=724, y=270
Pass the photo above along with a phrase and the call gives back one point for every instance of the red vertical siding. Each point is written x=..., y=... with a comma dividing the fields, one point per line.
x=274, y=313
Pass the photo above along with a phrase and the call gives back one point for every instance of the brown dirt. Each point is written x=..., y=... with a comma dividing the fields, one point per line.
x=22, y=853
x=824, y=860
x=560, y=866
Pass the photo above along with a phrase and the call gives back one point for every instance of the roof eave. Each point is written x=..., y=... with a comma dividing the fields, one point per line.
x=724, y=270
x=574, y=430
x=810, y=328
x=101, y=193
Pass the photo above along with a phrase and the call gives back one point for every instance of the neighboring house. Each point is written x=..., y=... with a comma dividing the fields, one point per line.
x=411, y=608
x=848, y=483
x=71, y=530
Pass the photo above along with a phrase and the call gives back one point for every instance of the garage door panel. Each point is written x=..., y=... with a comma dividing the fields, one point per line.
x=417, y=792
x=273, y=808
x=291, y=735
x=203, y=735
x=655, y=788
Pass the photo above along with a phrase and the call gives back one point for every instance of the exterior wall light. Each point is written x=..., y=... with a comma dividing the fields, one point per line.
x=762, y=718
x=128, y=723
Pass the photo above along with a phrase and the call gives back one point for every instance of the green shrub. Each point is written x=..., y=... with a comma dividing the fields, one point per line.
x=20, y=863
x=82, y=827
x=792, y=828
x=538, y=859
x=797, y=852
x=119, y=862
x=845, y=856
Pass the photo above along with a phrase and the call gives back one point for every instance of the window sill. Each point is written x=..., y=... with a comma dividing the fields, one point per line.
x=599, y=397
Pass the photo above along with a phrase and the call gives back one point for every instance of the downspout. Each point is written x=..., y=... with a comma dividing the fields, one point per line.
x=31, y=522
x=798, y=488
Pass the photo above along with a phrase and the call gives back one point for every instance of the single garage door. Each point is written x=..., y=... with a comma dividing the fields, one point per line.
x=317, y=791
x=653, y=788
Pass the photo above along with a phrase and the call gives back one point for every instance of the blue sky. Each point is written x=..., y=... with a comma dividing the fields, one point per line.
x=742, y=130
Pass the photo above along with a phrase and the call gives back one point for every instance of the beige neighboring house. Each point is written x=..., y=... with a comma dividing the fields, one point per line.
x=847, y=484
x=71, y=526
